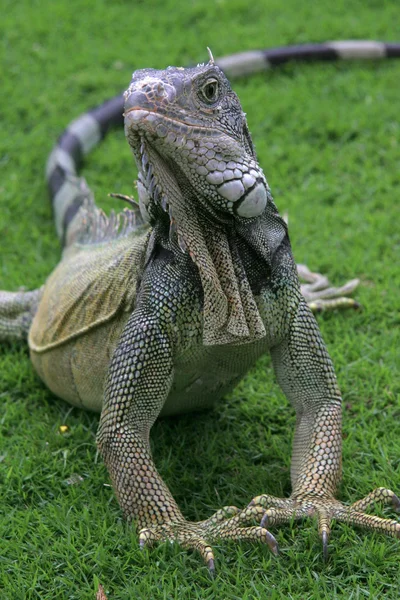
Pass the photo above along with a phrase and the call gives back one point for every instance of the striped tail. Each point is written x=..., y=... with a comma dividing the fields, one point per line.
x=254, y=61
x=68, y=192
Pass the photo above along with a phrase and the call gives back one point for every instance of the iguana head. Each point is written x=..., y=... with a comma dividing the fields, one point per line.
x=197, y=163
x=187, y=130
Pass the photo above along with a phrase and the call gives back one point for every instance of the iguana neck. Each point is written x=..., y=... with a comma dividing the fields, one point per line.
x=234, y=262
x=259, y=239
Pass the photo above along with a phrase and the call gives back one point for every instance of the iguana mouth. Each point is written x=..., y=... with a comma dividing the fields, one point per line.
x=138, y=114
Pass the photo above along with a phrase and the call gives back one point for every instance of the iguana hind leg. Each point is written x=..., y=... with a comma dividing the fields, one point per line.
x=321, y=296
x=17, y=310
x=318, y=292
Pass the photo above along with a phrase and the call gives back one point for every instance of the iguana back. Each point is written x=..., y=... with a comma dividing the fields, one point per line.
x=85, y=304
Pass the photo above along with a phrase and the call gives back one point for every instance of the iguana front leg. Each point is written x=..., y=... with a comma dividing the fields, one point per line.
x=305, y=373
x=17, y=310
x=138, y=383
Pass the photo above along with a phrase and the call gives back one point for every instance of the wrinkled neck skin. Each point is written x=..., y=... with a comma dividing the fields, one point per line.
x=234, y=260
x=234, y=255
x=262, y=237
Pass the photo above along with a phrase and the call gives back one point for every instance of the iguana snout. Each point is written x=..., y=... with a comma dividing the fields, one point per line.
x=148, y=93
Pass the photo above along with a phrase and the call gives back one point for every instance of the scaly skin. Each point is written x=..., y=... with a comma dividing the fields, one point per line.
x=17, y=310
x=175, y=317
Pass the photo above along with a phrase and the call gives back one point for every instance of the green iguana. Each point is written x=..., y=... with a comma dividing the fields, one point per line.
x=163, y=310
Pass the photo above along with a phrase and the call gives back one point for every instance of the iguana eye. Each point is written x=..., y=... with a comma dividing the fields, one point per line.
x=210, y=90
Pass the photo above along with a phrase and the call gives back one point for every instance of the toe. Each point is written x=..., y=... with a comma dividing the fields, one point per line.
x=204, y=549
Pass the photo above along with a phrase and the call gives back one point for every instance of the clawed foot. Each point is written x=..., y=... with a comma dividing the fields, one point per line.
x=269, y=511
x=224, y=524
x=230, y=523
x=319, y=294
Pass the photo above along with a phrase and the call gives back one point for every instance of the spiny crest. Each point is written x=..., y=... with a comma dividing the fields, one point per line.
x=94, y=226
x=211, y=62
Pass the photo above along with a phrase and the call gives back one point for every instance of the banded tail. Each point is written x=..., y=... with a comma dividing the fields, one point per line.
x=68, y=192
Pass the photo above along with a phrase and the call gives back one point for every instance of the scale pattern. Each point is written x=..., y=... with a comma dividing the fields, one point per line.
x=164, y=309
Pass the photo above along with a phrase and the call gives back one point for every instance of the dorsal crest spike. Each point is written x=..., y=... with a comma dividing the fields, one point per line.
x=211, y=61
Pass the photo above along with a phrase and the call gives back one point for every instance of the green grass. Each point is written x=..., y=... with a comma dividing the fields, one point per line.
x=328, y=139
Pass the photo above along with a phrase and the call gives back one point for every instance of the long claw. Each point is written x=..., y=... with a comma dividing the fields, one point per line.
x=211, y=567
x=324, y=529
x=272, y=543
x=264, y=520
x=396, y=503
x=206, y=552
x=325, y=552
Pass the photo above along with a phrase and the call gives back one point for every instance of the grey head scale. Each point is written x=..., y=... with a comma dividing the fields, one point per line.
x=188, y=132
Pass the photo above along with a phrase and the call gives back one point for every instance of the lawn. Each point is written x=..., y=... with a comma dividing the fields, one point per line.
x=327, y=136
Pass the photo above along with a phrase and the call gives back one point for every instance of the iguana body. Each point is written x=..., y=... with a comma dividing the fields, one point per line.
x=139, y=321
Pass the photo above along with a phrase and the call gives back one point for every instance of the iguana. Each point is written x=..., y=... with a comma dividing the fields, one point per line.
x=163, y=310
